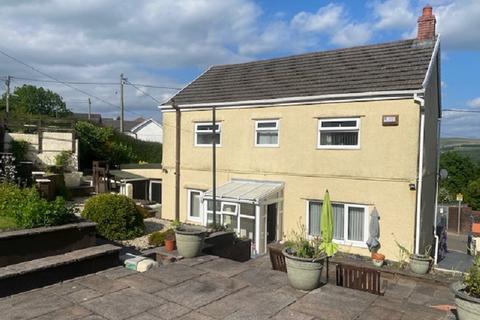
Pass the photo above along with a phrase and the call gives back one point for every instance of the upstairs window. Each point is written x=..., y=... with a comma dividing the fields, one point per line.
x=266, y=133
x=339, y=133
x=203, y=134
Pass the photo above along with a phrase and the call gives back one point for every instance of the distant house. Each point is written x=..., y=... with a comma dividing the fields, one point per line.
x=94, y=117
x=140, y=128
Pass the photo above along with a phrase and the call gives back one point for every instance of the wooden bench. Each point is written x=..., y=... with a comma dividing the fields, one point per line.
x=277, y=258
x=359, y=278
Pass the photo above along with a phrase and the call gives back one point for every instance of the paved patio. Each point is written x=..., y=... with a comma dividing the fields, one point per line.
x=208, y=288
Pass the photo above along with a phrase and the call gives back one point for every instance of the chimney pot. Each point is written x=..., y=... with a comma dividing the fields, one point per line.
x=426, y=24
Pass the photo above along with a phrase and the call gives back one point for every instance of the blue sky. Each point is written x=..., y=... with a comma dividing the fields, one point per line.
x=169, y=42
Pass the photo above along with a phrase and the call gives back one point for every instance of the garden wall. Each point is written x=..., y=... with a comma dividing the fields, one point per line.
x=24, y=245
x=45, y=145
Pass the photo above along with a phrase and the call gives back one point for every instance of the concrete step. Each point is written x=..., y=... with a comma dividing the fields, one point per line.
x=37, y=273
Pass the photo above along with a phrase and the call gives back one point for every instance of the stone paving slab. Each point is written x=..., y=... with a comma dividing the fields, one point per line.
x=223, y=267
x=332, y=302
x=173, y=274
x=213, y=289
x=122, y=304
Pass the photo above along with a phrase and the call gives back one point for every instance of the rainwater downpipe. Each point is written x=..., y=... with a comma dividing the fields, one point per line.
x=436, y=194
x=421, y=101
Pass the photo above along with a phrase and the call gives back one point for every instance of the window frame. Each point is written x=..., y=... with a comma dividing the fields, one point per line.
x=151, y=182
x=346, y=241
x=189, y=205
x=276, y=128
x=341, y=129
x=196, y=131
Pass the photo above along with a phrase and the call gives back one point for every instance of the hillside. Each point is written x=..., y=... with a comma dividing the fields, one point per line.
x=468, y=147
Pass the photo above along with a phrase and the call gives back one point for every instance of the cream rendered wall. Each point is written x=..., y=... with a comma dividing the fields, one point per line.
x=378, y=174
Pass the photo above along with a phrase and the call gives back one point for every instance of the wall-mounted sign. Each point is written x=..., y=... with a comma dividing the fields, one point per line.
x=390, y=120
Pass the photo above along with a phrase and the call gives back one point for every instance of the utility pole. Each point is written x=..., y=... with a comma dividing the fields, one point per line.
x=89, y=109
x=7, y=97
x=177, y=159
x=122, y=105
x=214, y=167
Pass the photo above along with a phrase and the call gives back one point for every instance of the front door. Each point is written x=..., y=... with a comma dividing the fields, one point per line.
x=271, y=222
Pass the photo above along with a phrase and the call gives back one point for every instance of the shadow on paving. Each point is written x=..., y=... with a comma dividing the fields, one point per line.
x=208, y=288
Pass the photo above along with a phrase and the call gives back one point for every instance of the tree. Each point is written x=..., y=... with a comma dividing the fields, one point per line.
x=33, y=100
x=472, y=194
x=461, y=170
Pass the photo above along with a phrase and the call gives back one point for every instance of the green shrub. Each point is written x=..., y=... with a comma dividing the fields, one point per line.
x=19, y=149
x=472, y=279
x=158, y=238
x=29, y=210
x=64, y=159
x=116, y=216
x=144, y=212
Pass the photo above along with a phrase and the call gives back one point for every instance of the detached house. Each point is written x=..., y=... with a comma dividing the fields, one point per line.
x=362, y=122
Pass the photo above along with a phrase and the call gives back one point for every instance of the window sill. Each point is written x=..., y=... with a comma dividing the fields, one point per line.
x=338, y=147
x=356, y=244
x=194, y=219
x=207, y=145
x=267, y=146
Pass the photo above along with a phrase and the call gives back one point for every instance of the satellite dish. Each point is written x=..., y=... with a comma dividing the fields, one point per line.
x=443, y=174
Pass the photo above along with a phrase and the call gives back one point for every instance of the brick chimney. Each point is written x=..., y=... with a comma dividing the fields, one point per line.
x=426, y=24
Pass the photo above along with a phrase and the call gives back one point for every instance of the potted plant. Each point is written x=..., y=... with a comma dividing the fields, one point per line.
x=378, y=259
x=420, y=263
x=189, y=240
x=467, y=293
x=304, y=259
x=170, y=242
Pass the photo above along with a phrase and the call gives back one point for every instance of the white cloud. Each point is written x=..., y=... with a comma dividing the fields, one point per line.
x=458, y=23
x=325, y=19
x=394, y=14
x=474, y=103
x=352, y=34
x=460, y=124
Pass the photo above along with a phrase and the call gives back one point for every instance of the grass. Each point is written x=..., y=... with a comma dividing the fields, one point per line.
x=464, y=146
x=7, y=223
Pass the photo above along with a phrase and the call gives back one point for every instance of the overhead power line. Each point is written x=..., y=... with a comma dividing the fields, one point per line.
x=462, y=110
x=57, y=80
x=92, y=83
x=144, y=92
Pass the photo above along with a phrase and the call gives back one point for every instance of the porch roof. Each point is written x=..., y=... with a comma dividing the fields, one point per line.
x=245, y=190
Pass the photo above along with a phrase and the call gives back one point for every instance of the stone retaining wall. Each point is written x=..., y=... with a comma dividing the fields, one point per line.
x=24, y=245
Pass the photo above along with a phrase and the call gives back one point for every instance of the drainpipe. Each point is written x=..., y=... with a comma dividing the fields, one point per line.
x=421, y=101
x=436, y=194
x=178, y=123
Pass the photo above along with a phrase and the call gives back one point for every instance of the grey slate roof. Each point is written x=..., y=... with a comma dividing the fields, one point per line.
x=400, y=65
x=127, y=124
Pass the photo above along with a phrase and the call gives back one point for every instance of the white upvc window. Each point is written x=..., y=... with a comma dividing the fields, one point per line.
x=194, y=205
x=266, y=133
x=350, y=222
x=203, y=134
x=340, y=133
x=239, y=217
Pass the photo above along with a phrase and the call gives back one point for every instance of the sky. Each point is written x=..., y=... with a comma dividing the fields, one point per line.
x=168, y=43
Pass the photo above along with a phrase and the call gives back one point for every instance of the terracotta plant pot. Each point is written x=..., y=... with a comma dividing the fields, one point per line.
x=170, y=244
x=378, y=259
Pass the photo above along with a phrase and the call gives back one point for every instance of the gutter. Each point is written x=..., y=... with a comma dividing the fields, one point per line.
x=421, y=101
x=304, y=99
